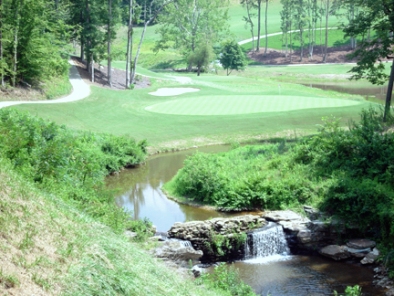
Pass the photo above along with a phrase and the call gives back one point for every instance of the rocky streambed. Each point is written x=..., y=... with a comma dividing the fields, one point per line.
x=226, y=239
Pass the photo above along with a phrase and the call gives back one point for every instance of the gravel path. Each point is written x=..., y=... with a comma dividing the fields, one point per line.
x=80, y=91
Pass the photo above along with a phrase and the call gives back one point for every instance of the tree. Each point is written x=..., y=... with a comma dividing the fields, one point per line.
x=248, y=4
x=232, y=57
x=149, y=9
x=129, y=49
x=201, y=57
x=377, y=15
x=185, y=24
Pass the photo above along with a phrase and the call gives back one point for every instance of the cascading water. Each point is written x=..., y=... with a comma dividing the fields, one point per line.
x=267, y=241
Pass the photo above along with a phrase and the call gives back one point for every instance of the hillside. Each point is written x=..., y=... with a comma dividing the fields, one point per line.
x=50, y=248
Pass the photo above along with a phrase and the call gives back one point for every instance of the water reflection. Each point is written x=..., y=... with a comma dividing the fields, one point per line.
x=139, y=190
x=305, y=276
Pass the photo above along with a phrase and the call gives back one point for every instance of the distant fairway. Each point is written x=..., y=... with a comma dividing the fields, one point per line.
x=246, y=104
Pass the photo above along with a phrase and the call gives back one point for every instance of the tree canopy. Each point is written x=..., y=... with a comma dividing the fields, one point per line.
x=374, y=50
x=187, y=24
x=232, y=57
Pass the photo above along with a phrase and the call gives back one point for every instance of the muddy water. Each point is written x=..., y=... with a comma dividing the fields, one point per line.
x=139, y=190
x=304, y=276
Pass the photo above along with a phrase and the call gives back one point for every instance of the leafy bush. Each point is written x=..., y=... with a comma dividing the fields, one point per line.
x=70, y=164
x=143, y=229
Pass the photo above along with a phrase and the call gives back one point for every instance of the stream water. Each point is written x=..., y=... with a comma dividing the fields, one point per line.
x=139, y=191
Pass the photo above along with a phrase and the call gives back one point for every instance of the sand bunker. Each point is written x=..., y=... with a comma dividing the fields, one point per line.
x=166, y=92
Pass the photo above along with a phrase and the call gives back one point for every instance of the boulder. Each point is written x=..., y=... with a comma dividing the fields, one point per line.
x=177, y=250
x=371, y=257
x=335, y=252
x=287, y=215
x=361, y=244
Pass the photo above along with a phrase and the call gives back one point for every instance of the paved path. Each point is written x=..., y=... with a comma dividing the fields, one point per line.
x=80, y=91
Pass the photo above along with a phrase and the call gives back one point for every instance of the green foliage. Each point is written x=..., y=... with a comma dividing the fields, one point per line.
x=226, y=279
x=351, y=291
x=221, y=245
x=34, y=35
x=232, y=57
x=206, y=19
x=8, y=281
x=201, y=57
x=245, y=178
x=143, y=228
x=70, y=164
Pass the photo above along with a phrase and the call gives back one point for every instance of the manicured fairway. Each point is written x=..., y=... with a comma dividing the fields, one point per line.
x=233, y=105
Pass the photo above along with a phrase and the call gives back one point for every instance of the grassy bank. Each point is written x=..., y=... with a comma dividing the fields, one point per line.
x=50, y=248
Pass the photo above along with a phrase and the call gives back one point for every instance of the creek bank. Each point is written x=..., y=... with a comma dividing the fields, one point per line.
x=223, y=239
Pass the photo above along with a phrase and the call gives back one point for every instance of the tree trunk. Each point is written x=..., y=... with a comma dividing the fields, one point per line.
x=15, y=47
x=258, y=24
x=82, y=39
x=89, y=54
x=266, y=26
x=92, y=67
x=326, y=33
x=250, y=22
x=389, y=93
x=1, y=44
x=291, y=35
x=129, y=44
x=321, y=25
x=133, y=71
x=109, y=68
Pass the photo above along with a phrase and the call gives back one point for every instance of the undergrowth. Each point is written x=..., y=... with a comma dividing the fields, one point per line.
x=72, y=165
x=348, y=173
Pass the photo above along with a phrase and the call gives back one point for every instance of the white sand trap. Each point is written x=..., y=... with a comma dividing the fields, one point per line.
x=166, y=92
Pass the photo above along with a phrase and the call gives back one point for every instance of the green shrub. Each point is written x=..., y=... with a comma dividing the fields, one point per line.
x=67, y=163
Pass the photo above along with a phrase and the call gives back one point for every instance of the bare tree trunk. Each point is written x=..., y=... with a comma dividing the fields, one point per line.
x=250, y=22
x=266, y=26
x=389, y=93
x=134, y=68
x=89, y=55
x=92, y=67
x=258, y=24
x=326, y=33
x=291, y=35
x=129, y=44
x=16, y=32
x=109, y=68
x=1, y=43
x=321, y=24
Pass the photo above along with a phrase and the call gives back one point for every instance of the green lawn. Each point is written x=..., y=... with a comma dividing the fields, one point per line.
x=127, y=112
x=238, y=104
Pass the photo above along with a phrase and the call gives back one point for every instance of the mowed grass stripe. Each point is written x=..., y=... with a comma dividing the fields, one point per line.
x=233, y=105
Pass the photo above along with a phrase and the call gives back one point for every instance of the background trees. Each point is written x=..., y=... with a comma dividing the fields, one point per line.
x=31, y=37
x=372, y=51
x=187, y=24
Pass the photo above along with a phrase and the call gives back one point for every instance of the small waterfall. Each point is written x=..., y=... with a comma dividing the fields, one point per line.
x=267, y=241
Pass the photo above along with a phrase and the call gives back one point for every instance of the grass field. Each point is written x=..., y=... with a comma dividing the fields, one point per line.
x=261, y=102
x=251, y=117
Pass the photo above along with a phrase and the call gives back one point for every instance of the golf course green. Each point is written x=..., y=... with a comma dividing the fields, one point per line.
x=235, y=104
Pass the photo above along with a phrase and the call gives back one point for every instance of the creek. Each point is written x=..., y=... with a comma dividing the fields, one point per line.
x=138, y=190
